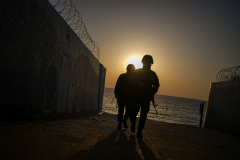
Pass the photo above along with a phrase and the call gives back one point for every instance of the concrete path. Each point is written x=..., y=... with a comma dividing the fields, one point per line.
x=96, y=137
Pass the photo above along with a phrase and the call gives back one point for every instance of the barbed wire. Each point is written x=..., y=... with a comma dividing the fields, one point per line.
x=229, y=74
x=70, y=14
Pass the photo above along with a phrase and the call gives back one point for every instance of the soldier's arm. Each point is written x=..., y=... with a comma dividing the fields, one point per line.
x=118, y=86
x=155, y=84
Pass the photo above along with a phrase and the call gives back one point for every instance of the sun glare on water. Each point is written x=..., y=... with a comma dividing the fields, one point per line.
x=135, y=60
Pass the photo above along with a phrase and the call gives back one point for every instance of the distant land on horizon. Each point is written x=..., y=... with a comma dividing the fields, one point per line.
x=171, y=96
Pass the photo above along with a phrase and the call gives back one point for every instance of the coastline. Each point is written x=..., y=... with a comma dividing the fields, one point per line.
x=170, y=109
x=96, y=137
x=155, y=119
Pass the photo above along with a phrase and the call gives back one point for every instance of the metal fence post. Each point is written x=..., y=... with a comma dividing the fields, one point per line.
x=201, y=112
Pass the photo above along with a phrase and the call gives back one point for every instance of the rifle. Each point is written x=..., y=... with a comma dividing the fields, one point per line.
x=154, y=105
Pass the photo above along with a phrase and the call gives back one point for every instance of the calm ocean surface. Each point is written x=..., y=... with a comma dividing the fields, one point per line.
x=170, y=109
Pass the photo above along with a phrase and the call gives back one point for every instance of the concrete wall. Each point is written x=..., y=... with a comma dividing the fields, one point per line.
x=223, y=107
x=46, y=70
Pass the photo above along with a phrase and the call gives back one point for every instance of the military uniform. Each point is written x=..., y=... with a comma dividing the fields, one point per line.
x=143, y=94
x=122, y=93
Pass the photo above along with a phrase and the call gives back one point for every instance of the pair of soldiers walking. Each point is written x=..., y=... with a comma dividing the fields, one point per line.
x=135, y=89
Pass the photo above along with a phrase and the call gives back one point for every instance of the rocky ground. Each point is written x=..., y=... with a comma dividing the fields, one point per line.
x=96, y=137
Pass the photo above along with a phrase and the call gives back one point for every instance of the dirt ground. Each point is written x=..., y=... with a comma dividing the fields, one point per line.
x=96, y=137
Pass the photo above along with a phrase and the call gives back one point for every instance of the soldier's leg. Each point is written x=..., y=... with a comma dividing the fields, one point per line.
x=120, y=113
x=145, y=106
x=133, y=113
x=120, y=110
x=127, y=113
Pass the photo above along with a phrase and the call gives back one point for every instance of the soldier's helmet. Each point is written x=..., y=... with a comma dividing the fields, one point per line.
x=147, y=59
x=130, y=67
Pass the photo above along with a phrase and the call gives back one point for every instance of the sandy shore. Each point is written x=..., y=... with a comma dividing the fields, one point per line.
x=96, y=137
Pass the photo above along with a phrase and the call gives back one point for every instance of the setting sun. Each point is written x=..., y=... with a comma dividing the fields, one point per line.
x=135, y=60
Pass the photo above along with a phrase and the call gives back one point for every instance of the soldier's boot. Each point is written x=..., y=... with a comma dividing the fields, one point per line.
x=119, y=126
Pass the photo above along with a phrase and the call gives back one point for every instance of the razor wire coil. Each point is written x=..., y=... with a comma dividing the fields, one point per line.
x=229, y=74
x=70, y=14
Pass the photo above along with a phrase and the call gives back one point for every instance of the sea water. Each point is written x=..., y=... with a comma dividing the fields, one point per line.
x=170, y=109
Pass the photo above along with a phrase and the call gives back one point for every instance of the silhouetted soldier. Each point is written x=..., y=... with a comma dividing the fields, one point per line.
x=122, y=94
x=146, y=85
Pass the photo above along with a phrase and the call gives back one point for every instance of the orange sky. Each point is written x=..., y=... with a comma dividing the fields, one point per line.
x=175, y=80
x=190, y=41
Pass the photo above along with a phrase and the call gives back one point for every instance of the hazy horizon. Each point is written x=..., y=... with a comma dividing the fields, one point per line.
x=170, y=96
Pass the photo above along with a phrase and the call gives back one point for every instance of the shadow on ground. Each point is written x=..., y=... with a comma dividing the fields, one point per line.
x=118, y=146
